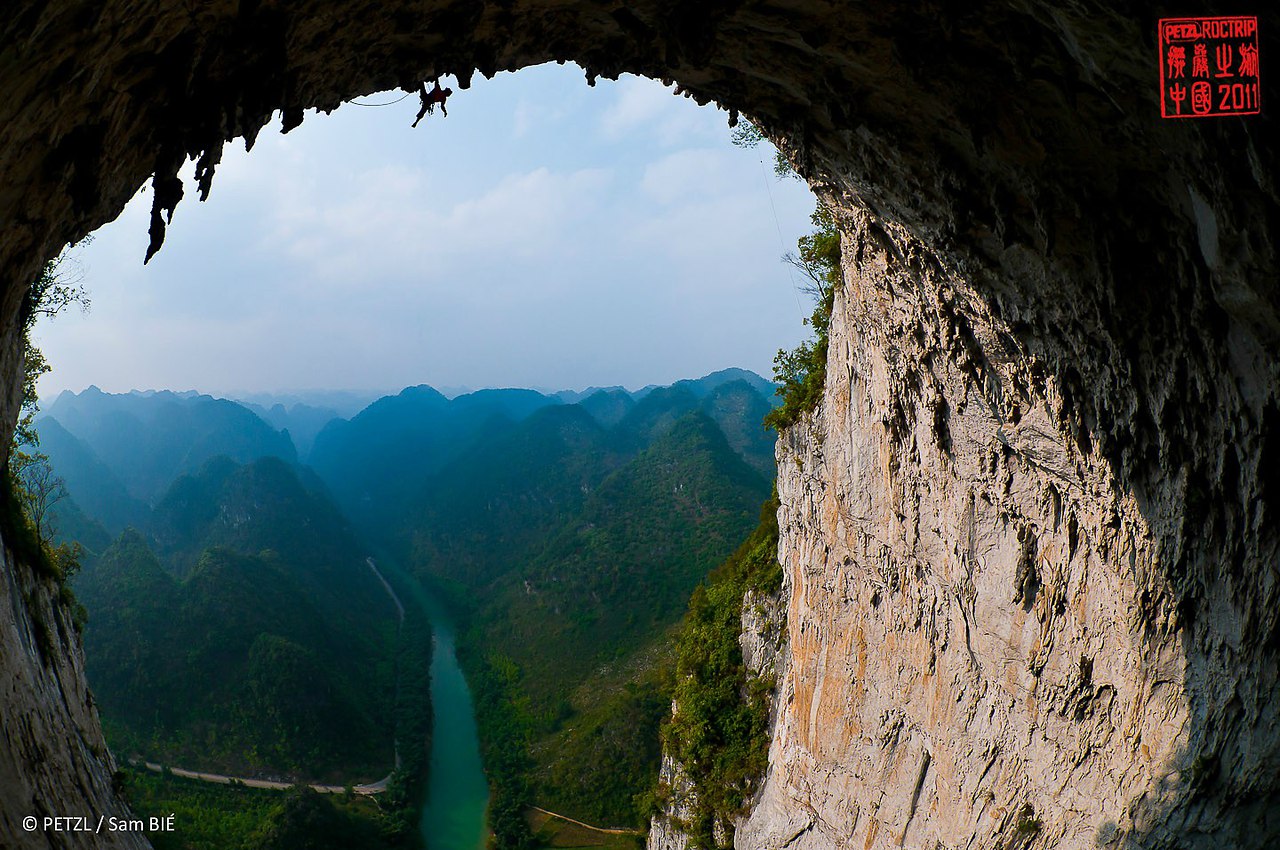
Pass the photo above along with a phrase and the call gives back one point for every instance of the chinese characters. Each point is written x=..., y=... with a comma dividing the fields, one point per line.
x=1223, y=75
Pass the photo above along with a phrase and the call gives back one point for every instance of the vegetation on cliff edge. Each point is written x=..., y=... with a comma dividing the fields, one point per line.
x=719, y=733
x=30, y=489
x=802, y=372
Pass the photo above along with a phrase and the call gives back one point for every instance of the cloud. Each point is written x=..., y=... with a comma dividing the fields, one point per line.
x=618, y=237
x=390, y=224
x=645, y=109
x=689, y=174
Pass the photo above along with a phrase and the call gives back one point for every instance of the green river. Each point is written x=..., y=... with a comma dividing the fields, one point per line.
x=453, y=817
x=454, y=811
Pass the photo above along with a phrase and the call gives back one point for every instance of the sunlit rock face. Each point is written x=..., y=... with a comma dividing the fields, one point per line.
x=1030, y=536
x=984, y=647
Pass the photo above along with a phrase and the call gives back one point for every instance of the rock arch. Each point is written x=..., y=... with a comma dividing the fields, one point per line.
x=1057, y=354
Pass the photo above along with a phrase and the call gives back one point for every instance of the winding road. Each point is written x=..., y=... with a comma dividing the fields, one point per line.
x=273, y=784
x=603, y=829
x=387, y=586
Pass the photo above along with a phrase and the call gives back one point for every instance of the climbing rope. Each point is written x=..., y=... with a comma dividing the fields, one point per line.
x=388, y=103
x=782, y=245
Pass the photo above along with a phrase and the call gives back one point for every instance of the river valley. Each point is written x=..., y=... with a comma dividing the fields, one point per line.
x=453, y=815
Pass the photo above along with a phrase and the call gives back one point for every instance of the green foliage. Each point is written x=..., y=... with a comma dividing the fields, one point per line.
x=49, y=294
x=1028, y=824
x=25, y=438
x=612, y=750
x=295, y=703
x=748, y=135
x=802, y=372
x=273, y=651
x=234, y=817
x=402, y=801
x=489, y=509
x=306, y=820
x=40, y=490
x=30, y=488
x=206, y=816
x=225, y=670
x=623, y=570
x=20, y=532
x=502, y=715
x=719, y=732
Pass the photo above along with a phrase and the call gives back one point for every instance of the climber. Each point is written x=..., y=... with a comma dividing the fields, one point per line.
x=437, y=95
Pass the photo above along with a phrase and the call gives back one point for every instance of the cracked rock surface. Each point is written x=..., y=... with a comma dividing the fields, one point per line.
x=55, y=762
x=973, y=645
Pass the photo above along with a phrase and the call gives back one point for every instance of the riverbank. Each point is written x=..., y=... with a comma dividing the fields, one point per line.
x=455, y=796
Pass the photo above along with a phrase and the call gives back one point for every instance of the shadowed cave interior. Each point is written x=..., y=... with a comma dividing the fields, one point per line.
x=1100, y=282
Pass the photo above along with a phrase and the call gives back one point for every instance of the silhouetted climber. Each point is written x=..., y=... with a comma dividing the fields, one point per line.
x=429, y=100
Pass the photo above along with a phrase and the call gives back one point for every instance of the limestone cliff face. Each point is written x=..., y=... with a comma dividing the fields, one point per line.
x=984, y=647
x=1003, y=629
x=974, y=661
x=664, y=831
x=1030, y=536
x=53, y=760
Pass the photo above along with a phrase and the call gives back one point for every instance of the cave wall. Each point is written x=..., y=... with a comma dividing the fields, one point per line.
x=985, y=646
x=1030, y=535
x=1050, y=428
x=54, y=760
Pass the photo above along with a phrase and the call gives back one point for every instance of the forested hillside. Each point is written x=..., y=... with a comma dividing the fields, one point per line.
x=570, y=537
x=241, y=631
x=234, y=624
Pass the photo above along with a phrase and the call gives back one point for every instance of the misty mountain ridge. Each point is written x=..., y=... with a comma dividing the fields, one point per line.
x=147, y=440
x=118, y=453
x=225, y=575
x=279, y=408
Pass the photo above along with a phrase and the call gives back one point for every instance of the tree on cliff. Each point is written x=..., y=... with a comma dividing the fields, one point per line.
x=748, y=135
x=58, y=287
x=802, y=372
x=33, y=488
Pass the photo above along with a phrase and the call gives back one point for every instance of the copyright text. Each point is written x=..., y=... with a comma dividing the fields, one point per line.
x=98, y=825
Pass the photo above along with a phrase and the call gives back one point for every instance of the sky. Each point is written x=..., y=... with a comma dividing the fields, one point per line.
x=545, y=234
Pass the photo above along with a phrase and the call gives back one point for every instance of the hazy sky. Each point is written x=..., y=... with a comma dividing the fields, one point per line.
x=544, y=234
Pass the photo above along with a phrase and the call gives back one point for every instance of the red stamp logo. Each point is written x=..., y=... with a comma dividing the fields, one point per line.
x=1208, y=67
